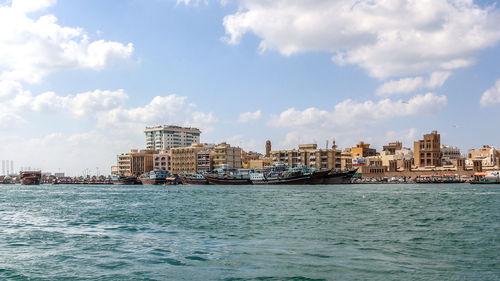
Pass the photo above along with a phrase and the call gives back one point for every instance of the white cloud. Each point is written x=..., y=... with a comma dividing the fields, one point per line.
x=31, y=5
x=171, y=109
x=350, y=113
x=408, y=85
x=250, y=116
x=387, y=38
x=491, y=96
x=32, y=48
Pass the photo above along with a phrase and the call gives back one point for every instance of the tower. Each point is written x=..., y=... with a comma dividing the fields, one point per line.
x=268, y=148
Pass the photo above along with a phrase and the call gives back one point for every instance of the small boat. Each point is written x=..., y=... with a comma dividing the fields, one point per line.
x=30, y=177
x=228, y=176
x=486, y=178
x=154, y=177
x=193, y=178
x=125, y=180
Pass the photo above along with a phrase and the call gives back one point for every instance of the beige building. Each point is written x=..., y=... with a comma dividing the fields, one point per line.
x=427, y=152
x=123, y=163
x=162, y=161
x=392, y=147
x=227, y=156
x=114, y=171
x=363, y=150
x=308, y=155
x=190, y=159
x=246, y=157
x=488, y=155
x=449, y=155
x=141, y=161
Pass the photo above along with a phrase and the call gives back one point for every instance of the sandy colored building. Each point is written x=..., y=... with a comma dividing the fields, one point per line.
x=362, y=150
x=141, y=161
x=227, y=156
x=123, y=163
x=185, y=159
x=308, y=155
x=246, y=157
x=449, y=155
x=488, y=155
x=427, y=152
x=162, y=161
x=392, y=147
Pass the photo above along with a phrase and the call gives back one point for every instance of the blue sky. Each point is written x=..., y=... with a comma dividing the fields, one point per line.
x=79, y=80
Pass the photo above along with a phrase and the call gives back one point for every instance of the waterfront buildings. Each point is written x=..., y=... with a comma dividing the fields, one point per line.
x=449, y=154
x=488, y=155
x=123, y=163
x=308, y=155
x=190, y=159
x=392, y=147
x=226, y=156
x=167, y=137
x=246, y=157
x=427, y=152
x=362, y=150
x=141, y=161
x=136, y=162
x=161, y=160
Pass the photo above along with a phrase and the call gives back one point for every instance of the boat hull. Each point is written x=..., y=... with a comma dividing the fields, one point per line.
x=30, y=181
x=227, y=181
x=339, y=177
x=153, y=181
x=193, y=181
x=299, y=180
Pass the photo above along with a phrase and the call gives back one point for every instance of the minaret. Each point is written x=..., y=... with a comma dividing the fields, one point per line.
x=268, y=148
x=334, y=145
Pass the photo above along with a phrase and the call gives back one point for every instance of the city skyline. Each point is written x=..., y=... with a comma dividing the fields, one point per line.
x=80, y=80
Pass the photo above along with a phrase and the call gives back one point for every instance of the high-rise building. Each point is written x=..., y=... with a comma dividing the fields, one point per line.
x=167, y=137
x=427, y=152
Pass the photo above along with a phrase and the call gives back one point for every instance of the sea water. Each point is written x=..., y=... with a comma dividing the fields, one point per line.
x=338, y=232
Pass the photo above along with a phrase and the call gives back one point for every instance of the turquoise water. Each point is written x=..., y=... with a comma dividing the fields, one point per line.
x=345, y=232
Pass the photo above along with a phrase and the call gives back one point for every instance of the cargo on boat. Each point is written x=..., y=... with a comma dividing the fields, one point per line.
x=228, y=176
x=125, y=180
x=30, y=177
x=193, y=178
x=154, y=177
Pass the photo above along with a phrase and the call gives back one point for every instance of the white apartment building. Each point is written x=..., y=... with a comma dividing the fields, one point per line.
x=167, y=137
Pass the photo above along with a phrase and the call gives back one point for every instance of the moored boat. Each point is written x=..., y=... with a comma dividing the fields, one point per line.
x=154, y=177
x=339, y=177
x=486, y=178
x=279, y=178
x=30, y=177
x=228, y=176
x=193, y=178
x=125, y=180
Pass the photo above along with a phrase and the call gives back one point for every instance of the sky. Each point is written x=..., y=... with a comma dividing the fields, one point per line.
x=81, y=79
